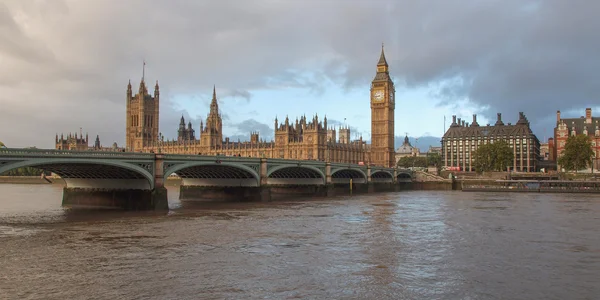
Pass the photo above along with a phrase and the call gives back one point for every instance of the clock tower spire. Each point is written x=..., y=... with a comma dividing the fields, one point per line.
x=382, y=115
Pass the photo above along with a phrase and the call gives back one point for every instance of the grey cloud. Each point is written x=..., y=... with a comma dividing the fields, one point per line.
x=234, y=93
x=64, y=65
x=243, y=129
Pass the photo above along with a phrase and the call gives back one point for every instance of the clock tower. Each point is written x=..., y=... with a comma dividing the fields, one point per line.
x=382, y=116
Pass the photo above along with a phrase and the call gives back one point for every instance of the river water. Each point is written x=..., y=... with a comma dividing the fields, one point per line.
x=407, y=245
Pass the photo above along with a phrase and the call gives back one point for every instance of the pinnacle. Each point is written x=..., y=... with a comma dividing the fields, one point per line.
x=382, y=61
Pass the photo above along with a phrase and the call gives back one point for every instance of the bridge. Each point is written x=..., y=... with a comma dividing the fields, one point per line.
x=136, y=180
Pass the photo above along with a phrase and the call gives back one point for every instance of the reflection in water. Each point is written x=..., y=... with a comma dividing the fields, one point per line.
x=408, y=245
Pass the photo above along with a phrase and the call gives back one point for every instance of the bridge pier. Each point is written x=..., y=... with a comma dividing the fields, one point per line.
x=263, y=193
x=226, y=193
x=131, y=199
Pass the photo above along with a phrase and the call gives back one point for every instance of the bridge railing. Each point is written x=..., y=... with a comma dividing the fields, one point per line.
x=211, y=157
x=19, y=152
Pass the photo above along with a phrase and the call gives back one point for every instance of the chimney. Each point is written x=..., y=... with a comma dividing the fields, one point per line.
x=499, y=120
x=588, y=116
x=453, y=119
x=474, y=118
x=557, y=116
x=463, y=123
x=459, y=121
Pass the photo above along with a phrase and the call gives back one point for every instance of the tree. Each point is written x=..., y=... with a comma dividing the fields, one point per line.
x=577, y=154
x=412, y=161
x=24, y=171
x=493, y=157
x=434, y=159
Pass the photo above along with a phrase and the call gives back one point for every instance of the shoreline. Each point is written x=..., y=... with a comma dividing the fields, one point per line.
x=54, y=180
x=30, y=180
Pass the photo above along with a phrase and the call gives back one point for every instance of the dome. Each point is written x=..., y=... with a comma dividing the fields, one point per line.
x=406, y=147
x=2, y=145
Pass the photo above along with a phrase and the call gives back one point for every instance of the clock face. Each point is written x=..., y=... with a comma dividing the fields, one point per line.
x=378, y=95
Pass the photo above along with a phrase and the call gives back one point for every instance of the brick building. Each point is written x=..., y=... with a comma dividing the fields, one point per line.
x=462, y=139
x=587, y=125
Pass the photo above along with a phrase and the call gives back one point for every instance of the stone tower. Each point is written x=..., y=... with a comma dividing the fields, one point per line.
x=142, y=117
x=382, y=115
x=212, y=131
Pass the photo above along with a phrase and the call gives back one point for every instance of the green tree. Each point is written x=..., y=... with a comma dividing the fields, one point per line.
x=434, y=159
x=412, y=161
x=577, y=154
x=24, y=171
x=493, y=157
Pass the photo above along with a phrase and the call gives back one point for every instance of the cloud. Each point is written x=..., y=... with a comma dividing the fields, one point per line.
x=66, y=63
x=244, y=128
x=238, y=94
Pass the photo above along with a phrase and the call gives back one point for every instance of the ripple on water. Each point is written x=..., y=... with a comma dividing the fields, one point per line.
x=408, y=245
x=19, y=231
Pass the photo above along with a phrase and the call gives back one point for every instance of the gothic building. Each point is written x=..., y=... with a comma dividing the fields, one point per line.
x=382, y=116
x=79, y=143
x=304, y=138
x=461, y=140
x=142, y=117
x=72, y=142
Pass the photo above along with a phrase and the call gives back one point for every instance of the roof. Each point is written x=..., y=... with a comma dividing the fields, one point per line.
x=580, y=124
x=406, y=147
x=458, y=130
x=382, y=61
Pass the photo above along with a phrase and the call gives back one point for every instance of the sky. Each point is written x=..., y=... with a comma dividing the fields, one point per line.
x=66, y=63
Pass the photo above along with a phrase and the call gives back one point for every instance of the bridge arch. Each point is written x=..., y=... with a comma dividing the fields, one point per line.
x=79, y=172
x=382, y=174
x=404, y=176
x=343, y=175
x=296, y=175
x=201, y=173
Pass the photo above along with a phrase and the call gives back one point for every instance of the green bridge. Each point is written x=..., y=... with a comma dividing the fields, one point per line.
x=136, y=180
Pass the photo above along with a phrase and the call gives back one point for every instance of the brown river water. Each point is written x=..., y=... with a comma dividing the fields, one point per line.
x=405, y=245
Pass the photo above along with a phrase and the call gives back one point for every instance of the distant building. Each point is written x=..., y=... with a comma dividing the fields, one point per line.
x=544, y=151
x=79, y=143
x=587, y=125
x=406, y=149
x=461, y=140
x=72, y=142
x=433, y=150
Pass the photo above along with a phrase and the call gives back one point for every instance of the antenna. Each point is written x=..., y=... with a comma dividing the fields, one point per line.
x=444, y=125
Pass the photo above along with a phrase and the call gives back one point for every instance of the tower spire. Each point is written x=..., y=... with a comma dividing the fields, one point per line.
x=214, y=107
x=382, y=61
x=143, y=69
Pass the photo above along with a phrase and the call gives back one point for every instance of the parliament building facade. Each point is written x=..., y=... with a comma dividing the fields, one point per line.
x=304, y=139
